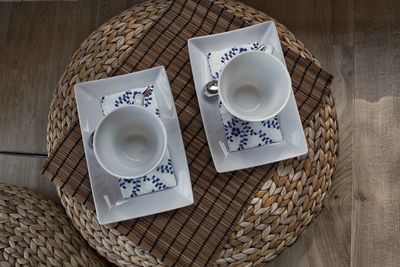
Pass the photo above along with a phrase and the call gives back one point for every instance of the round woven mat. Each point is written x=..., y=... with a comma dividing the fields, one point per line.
x=292, y=194
x=36, y=232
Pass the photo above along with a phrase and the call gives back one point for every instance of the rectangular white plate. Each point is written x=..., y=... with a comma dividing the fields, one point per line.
x=110, y=206
x=294, y=143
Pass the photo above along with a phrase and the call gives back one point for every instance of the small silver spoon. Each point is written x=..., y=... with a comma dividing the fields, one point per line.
x=145, y=93
x=211, y=88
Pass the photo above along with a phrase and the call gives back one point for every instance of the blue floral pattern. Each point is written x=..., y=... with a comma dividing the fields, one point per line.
x=127, y=98
x=217, y=59
x=136, y=187
x=163, y=176
x=240, y=134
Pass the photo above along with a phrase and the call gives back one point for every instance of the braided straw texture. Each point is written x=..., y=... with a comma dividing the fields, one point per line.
x=290, y=198
x=36, y=232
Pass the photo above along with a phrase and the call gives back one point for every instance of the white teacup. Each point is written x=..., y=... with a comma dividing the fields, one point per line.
x=130, y=142
x=254, y=86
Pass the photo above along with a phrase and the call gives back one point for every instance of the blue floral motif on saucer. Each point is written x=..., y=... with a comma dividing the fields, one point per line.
x=240, y=134
x=163, y=176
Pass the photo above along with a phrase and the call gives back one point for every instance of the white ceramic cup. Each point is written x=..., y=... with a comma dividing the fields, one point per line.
x=254, y=86
x=130, y=142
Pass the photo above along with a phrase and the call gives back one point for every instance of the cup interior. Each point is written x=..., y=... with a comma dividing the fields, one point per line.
x=254, y=86
x=130, y=142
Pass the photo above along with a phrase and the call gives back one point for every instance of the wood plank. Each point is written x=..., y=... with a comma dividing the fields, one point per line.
x=377, y=22
x=36, y=46
x=312, y=21
x=327, y=241
x=376, y=228
x=5, y=13
x=26, y=171
x=111, y=8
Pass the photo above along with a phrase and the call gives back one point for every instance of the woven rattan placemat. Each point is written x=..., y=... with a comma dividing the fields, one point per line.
x=192, y=235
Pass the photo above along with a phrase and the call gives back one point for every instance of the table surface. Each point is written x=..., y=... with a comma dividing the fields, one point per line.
x=360, y=49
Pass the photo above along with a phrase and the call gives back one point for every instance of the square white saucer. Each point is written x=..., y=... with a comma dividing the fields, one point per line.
x=110, y=206
x=294, y=143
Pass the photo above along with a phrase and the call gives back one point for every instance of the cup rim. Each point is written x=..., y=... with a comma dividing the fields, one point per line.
x=273, y=114
x=162, y=154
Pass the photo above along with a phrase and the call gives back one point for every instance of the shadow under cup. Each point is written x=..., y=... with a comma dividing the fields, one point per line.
x=130, y=142
x=254, y=86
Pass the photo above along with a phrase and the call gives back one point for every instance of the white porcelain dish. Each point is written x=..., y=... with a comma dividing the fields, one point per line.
x=254, y=86
x=294, y=142
x=130, y=142
x=110, y=206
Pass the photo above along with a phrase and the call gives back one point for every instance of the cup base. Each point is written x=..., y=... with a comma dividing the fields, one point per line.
x=135, y=148
x=130, y=142
x=254, y=86
x=247, y=98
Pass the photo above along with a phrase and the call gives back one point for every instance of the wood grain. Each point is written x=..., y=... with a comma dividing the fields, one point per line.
x=377, y=22
x=111, y=8
x=375, y=227
x=26, y=171
x=37, y=41
x=312, y=21
x=5, y=12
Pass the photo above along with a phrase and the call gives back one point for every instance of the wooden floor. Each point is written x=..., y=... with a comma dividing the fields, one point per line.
x=357, y=41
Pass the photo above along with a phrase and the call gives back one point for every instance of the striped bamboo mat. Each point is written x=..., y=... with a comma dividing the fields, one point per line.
x=190, y=236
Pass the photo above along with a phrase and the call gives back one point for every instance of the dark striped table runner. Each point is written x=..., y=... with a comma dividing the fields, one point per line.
x=190, y=236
